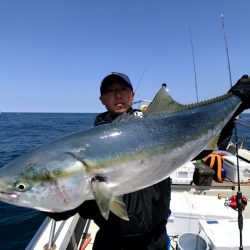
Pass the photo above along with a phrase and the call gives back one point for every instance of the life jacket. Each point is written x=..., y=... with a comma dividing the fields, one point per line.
x=214, y=161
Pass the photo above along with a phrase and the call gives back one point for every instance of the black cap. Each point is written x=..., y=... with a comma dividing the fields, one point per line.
x=113, y=78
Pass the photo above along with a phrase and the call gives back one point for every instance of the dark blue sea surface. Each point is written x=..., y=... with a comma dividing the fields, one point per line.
x=21, y=132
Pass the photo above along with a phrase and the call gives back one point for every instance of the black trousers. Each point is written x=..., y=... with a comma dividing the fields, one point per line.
x=151, y=241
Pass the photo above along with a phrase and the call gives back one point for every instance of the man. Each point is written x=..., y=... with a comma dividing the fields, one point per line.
x=117, y=96
x=147, y=209
x=242, y=90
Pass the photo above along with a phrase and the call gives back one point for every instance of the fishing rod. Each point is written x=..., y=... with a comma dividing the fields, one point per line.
x=142, y=75
x=195, y=78
x=140, y=101
x=137, y=86
x=244, y=119
x=243, y=124
x=239, y=198
x=228, y=61
x=239, y=194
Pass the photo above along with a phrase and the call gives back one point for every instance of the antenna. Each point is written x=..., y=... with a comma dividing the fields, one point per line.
x=228, y=61
x=239, y=194
x=137, y=86
x=195, y=78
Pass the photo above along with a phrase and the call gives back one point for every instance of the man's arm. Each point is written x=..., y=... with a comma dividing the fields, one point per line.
x=242, y=90
x=87, y=210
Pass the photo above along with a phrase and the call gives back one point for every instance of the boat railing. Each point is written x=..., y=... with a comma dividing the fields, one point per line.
x=58, y=235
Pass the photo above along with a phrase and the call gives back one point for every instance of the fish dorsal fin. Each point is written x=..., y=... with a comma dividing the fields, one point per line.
x=163, y=103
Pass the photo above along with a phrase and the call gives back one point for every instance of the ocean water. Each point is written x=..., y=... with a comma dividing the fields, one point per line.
x=21, y=132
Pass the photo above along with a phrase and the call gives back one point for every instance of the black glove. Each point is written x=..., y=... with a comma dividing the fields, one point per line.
x=242, y=90
x=61, y=216
x=87, y=210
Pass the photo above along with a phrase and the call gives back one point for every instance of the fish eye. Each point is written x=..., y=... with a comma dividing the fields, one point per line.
x=21, y=186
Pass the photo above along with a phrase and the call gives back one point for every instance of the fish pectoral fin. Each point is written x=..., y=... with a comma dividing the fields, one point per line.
x=102, y=194
x=118, y=207
x=106, y=200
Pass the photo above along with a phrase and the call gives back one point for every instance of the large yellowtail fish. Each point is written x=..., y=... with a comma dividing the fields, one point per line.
x=104, y=162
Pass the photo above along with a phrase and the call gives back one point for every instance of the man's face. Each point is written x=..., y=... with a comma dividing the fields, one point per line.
x=117, y=98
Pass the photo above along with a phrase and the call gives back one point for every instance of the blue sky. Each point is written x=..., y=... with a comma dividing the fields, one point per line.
x=54, y=54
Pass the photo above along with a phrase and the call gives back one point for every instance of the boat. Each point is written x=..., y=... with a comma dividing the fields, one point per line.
x=192, y=215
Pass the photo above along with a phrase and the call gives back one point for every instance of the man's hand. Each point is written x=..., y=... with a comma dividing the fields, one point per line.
x=61, y=216
x=87, y=210
x=242, y=90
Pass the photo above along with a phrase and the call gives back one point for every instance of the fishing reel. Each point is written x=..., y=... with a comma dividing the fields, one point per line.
x=235, y=201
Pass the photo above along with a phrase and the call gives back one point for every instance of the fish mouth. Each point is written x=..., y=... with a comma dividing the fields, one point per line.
x=8, y=196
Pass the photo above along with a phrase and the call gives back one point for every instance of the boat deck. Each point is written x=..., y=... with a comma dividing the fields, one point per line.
x=221, y=190
x=225, y=189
